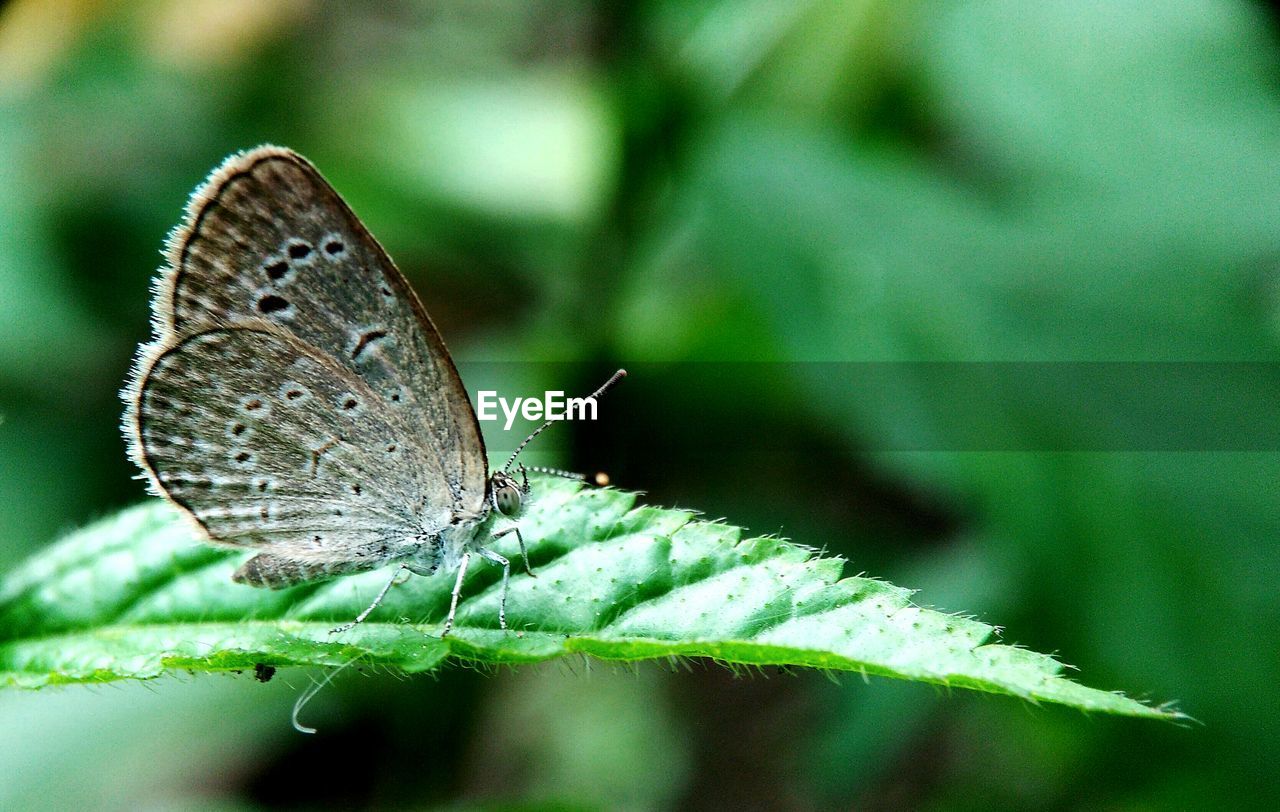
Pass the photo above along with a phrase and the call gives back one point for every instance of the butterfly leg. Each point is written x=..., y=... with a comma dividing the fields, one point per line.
x=346, y=627
x=457, y=590
x=490, y=555
x=524, y=553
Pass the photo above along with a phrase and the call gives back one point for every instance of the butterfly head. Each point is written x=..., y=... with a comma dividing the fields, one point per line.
x=506, y=493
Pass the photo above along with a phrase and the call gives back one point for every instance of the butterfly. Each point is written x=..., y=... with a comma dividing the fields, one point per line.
x=296, y=399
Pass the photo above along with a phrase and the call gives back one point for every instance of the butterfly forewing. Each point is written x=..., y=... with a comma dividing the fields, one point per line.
x=267, y=443
x=267, y=238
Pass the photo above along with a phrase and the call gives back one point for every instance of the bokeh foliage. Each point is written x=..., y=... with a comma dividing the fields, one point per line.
x=800, y=184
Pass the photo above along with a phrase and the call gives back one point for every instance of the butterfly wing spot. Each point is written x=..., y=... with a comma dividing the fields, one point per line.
x=299, y=250
x=366, y=339
x=349, y=403
x=293, y=393
x=237, y=429
x=262, y=484
x=243, y=457
x=317, y=453
x=334, y=247
x=356, y=489
x=255, y=405
x=271, y=303
x=277, y=270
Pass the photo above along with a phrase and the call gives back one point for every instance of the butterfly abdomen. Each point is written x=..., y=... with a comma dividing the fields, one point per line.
x=275, y=572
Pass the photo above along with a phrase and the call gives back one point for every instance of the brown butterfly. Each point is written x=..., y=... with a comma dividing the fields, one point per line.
x=297, y=400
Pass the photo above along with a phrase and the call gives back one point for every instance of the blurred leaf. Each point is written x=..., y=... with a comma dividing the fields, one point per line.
x=1120, y=218
x=527, y=148
x=132, y=597
x=602, y=737
x=121, y=743
x=810, y=56
x=42, y=324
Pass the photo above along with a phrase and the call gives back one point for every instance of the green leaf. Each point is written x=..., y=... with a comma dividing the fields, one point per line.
x=136, y=595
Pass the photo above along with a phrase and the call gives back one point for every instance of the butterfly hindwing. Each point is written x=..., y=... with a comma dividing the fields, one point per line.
x=268, y=443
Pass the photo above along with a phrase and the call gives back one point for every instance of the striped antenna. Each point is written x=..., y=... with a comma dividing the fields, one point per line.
x=609, y=384
x=542, y=469
x=599, y=478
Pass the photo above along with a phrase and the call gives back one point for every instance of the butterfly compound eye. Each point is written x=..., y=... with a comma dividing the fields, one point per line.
x=508, y=498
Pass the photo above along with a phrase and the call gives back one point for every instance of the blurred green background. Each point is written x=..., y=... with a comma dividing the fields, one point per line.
x=782, y=185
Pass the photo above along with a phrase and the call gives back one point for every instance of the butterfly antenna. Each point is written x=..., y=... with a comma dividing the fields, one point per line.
x=542, y=469
x=609, y=384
